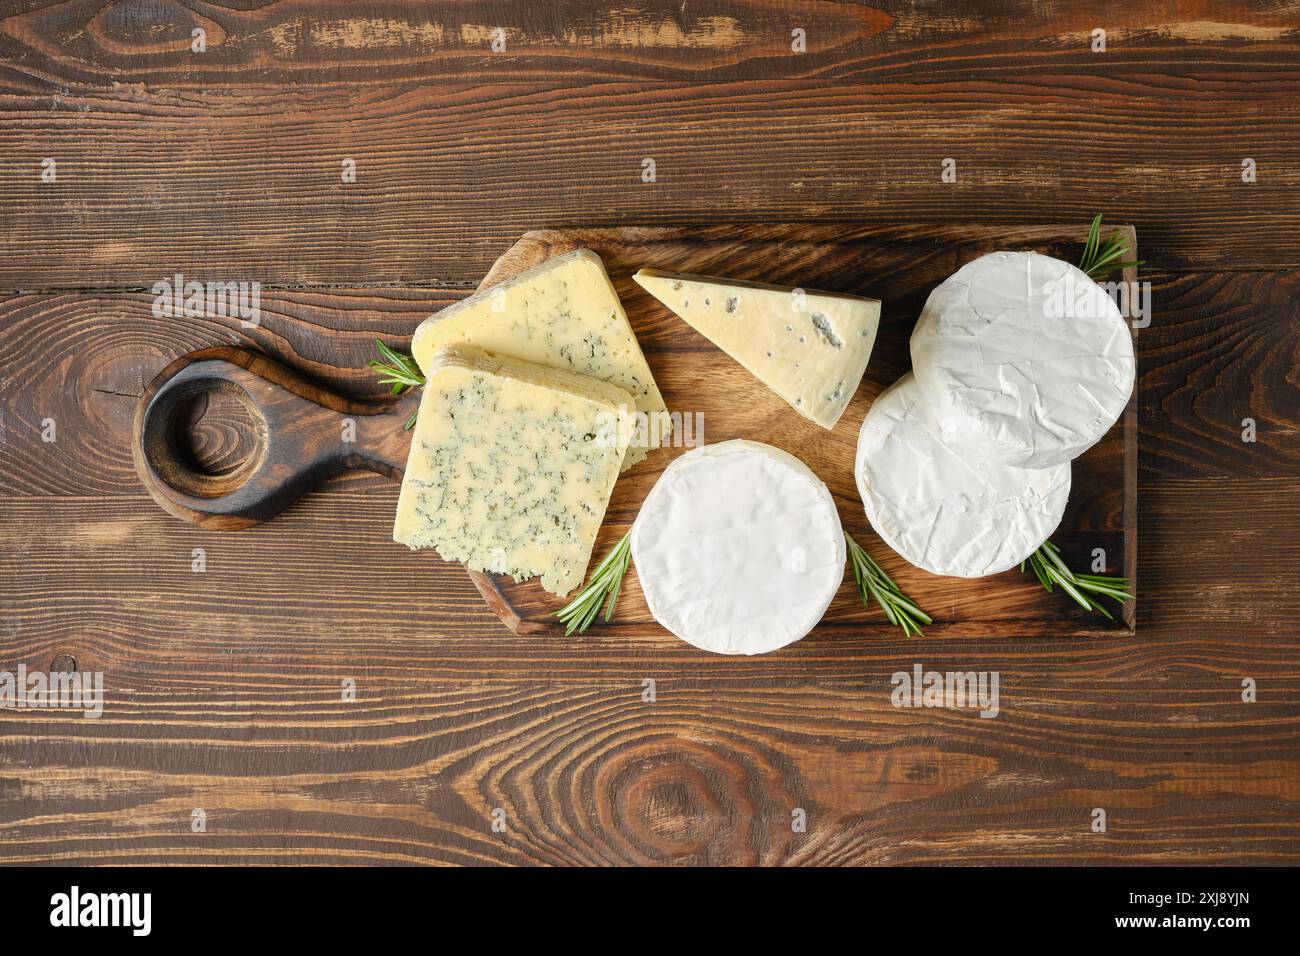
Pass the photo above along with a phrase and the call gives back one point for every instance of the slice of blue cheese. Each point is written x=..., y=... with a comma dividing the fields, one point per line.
x=511, y=466
x=811, y=348
x=565, y=314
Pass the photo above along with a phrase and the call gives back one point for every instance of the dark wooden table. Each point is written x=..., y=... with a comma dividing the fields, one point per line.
x=225, y=686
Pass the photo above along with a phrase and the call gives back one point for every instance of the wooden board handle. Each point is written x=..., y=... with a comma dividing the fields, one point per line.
x=300, y=429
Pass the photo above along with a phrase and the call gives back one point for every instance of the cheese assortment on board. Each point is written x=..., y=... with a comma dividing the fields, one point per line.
x=738, y=548
x=943, y=510
x=1020, y=363
x=811, y=348
x=511, y=466
x=1024, y=359
x=563, y=313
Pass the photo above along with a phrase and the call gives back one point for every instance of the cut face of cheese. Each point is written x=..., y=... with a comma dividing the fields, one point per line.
x=562, y=314
x=811, y=348
x=1024, y=358
x=738, y=548
x=947, y=511
x=511, y=466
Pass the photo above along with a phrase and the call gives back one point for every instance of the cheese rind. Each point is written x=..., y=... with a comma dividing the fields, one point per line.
x=511, y=466
x=1024, y=358
x=738, y=548
x=944, y=510
x=563, y=313
x=811, y=348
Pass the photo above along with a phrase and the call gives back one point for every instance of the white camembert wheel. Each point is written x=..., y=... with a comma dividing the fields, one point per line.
x=738, y=548
x=1024, y=359
x=945, y=510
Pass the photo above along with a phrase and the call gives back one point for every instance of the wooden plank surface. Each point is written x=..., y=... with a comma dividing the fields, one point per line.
x=266, y=43
x=224, y=687
x=236, y=185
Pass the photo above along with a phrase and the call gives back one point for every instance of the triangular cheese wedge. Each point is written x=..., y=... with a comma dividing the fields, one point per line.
x=811, y=348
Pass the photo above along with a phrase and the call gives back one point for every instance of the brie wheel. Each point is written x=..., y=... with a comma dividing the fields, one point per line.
x=944, y=510
x=1024, y=358
x=738, y=548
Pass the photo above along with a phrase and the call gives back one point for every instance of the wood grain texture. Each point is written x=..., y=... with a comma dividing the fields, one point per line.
x=296, y=42
x=248, y=186
x=1220, y=350
x=104, y=348
x=708, y=774
x=300, y=435
x=224, y=693
x=445, y=729
x=900, y=267
x=224, y=686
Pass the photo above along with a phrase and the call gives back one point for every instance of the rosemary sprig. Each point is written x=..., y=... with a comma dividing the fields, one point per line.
x=873, y=582
x=602, y=589
x=398, y=370
x=1051, y=570
x=1102, y=258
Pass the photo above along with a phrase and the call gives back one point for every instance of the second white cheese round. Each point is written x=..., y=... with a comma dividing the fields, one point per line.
x=738, y=548
x=943, y=510
x=1025, y=359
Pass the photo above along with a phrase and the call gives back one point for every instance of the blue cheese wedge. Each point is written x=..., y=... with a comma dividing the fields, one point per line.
x=511, y=466
x=942, y=508
x=811, y=348
x=738, y=548
x=561, y=314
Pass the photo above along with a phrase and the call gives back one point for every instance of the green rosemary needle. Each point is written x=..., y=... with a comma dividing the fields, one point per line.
x=602, y=589
x=398, y=370
x=1051, y=570
x=1100, y=257
x=873, y=582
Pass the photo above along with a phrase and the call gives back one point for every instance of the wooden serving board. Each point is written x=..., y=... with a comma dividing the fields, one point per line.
x=899, y=266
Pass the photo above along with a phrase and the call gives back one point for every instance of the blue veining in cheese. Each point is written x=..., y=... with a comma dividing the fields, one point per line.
x=563, y=313
x=511, y=466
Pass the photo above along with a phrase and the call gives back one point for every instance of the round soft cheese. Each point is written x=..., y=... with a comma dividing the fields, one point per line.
x=944, y=510
x=1024, y=358
x=738, y=548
